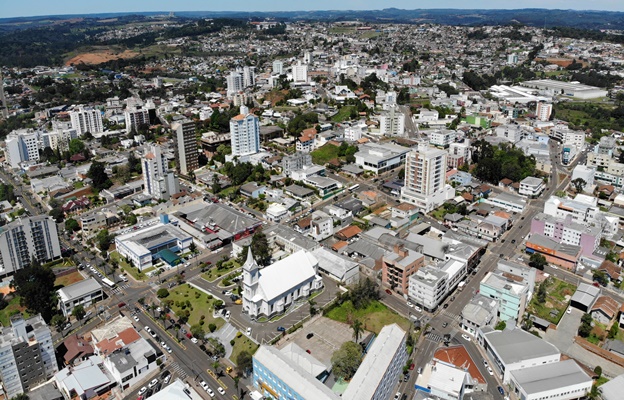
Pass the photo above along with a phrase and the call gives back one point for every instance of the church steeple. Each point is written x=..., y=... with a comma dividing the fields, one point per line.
x=250, y=270
x=250, y=263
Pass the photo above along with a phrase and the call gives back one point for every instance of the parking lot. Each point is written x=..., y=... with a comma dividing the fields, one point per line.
x=325, y=337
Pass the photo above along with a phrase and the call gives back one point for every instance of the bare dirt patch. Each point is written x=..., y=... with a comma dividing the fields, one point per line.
x=100, y=56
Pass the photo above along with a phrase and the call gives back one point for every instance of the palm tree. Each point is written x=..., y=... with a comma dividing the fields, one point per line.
x=357, y=330
x=21, y=396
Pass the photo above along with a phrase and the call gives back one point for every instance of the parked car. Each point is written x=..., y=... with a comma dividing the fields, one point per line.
x=249, y=331
x=281, y=329
x=153, y=383
x=466, y=337
x=221, y=391
x=501, y=391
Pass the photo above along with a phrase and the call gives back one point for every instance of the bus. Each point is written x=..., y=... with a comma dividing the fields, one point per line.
x=354, y=187
x=108, y=283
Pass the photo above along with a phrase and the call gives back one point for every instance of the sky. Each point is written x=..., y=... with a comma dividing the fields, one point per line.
x=25, y=8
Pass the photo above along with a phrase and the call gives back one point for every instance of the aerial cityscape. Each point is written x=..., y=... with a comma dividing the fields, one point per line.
x=313, y=202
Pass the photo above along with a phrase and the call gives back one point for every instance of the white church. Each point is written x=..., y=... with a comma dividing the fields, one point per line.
x=271, y=290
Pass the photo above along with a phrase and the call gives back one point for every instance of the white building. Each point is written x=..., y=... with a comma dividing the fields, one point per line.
x=160, y=182
x=353, y=133
x=22, y=145
x=321, y=226
x=380, y=157
x=300, y=73
x=25, y=238
x=234, y=83
x=531, y=186
x=278, y=67
x=511, y=132
x=508, y=201
x=462, y=150
x=445, y=381
x=515, y=349
x=273, y=289
x=135, y=118
x=143, y=244
x=276, y=212
x=543, y=111
x=84, y=293
x=58, y=139
x=428, y=115
x=431, y=284
x=249, y=76
x=245, y=135
x=563, y=380
x=442, y=138
x=392, y=122
x=85, y=120
x=381, y=368
x=425, y=178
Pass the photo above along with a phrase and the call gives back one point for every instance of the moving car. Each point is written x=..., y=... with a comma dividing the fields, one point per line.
x=466, y=337
x=221, y=391
x=249, y=331
x=489, y=370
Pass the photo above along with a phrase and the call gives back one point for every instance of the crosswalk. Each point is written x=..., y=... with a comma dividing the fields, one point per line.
x=434, y=337
x=176, y=368
x=453, y=316
x=119, y=289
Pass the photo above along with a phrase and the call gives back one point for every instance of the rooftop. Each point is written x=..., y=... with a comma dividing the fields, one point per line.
x=79, y=289
x=550, y=377
x=516, y=345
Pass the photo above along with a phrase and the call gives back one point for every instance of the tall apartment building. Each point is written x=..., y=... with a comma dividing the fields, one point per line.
x=86, y=120
x=278, y=67
x=543, y=111
x=136, y=117
x=25, y=238
x=26, y=354
x=425, y=175
x=160, y=182
x=185, y=147
x=300, y=73
x=296, y=162
x=249, y=76
x=235, y=83
x=245, y=135
x=22, y=145
x=58, y=139
x=392, y=122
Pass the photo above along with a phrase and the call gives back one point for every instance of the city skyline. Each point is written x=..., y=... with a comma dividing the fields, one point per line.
x=30, y=8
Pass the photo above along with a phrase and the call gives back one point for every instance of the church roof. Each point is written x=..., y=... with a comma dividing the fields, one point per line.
x=283, y=275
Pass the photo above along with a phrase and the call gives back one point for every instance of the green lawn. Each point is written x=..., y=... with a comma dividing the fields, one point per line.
x=240, y=344
x=555, y=300
x=343, y=114
x=323, y=155
x=214, y=273
x=374, y=317
x=439, y=213
x=138, y=275
x=200, y=305
x=12, y=308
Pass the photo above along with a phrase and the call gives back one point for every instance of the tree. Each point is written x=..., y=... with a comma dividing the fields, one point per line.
x=601, y=277
x=313, y=309
x=538, y=261
x=541, y=292
x=193, y=247
x=98, y=175
x=579, y=184
x=357, y=330
x=501, y=326
x=614, y=330
x=259, y=248
x=35, y=286
x=21, y=396
x=585, y=328
x=162, y=293
x=244, y=361
x=103, y=239
x=598, y=371
x=72, y=225
x=58, y=321
x=76, y=146
x=79, y=312
x=198, y=331
x=346, y=360
x=527, y=321
x=401, y=174
x=57, y=214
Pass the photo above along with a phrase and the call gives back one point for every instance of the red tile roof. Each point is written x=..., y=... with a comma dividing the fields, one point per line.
x=459, y=357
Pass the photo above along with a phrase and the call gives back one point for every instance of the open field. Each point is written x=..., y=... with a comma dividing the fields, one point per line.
x=100, y=56
x=185, y=297
x=557, y=299
x=323, y=155
x=374, y=317
x=69, y=279
x=13, y=307
x=240, y=344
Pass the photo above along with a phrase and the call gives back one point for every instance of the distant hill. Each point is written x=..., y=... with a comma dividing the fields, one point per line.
x=585, y=19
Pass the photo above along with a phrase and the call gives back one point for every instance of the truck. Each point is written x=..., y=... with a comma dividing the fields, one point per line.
x=461, y=285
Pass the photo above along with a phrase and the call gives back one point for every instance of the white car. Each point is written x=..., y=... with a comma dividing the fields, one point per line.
x=397, y=396
x=221, y=391
x=569, y=310
x=249, y=331
x=210, y=392
x=194, y=340
x=489, y=370
x=147, y=329
x=167, y=379
x=153, y=383
x=227, y=314
x=409, y=304
x=417, y=308
x=204, y=385
x=136, y=318
x=142, y=390
x=466, y=337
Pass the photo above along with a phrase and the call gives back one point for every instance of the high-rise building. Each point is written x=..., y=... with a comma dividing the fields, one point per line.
x=249, y=76
x=26, y=354
x=58, y=139
x=160, y=182
x=278, y=67
x=136, y=117
x=22, y=145
x=234, y=83
x=543, y=111
x=300, y=73
x=425, y=176
x=185, y=147
x=25, y=238
x=245, y=135
x=86, y=120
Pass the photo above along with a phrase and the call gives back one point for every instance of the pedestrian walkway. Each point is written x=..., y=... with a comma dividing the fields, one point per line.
x=451, y=315
x=434, y=337
x=177, y=369
x=119, y=289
